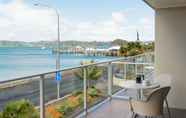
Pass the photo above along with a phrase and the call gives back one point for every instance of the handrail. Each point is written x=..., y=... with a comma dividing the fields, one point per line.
x=133, y=63
x=43, y=76
x=71, y=68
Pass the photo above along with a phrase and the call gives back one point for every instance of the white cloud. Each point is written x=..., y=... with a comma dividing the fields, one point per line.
x=22, y=22
x=118, y=17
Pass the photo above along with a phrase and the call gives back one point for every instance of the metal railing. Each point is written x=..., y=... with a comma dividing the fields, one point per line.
x=41, y=78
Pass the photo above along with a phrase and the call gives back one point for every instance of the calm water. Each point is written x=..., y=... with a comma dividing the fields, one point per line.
x=18, y=62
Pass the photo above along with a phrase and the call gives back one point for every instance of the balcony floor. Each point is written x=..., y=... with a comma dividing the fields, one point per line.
x=119, y=108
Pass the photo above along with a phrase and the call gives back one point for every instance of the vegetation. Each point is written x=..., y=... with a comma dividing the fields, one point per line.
x=93, y=73
x=65, y=44
x=52, y=44
x=19, y=109
x=72, y=104
x=119, y=42
x=135, y=48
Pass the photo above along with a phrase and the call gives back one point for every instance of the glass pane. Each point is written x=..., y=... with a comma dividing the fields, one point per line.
x=130, y=71
x=22, y=93
x=119, y=73
x=50, y=85
x=140, y=69
x=97, y=84
x=149, y=71
x=71, y=100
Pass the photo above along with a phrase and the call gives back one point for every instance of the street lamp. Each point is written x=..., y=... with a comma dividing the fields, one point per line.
x=58, y=43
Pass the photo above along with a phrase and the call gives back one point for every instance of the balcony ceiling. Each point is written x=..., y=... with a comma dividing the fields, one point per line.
x=157, y=4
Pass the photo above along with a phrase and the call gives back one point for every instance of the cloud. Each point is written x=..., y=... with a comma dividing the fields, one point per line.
x=22, y=22
x=25, y=23
x=118, y=17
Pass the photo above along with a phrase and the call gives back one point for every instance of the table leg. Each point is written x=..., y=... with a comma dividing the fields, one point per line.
x=140, y=94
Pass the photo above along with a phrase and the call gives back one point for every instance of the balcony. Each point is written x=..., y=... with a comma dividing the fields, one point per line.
x=103, y=97
x=92, y=90
x=118, y=108
x=81, y=89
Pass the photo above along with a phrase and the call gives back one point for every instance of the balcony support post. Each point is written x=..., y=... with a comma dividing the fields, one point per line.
x=58, y=89
x=42, y=100
x=125, y=71
x=136, y=69
x=85, y=89
x=110, y=79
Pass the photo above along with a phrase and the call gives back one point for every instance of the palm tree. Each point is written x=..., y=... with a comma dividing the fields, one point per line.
x=123, y=50
x=93, y=73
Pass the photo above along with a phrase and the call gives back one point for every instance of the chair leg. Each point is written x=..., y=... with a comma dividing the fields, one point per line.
x=135, y=115
x=148, y=117
x=168, y=109
x=163, y=116
x=132, y=115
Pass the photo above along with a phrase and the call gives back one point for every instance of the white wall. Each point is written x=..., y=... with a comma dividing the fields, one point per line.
x=170, y=51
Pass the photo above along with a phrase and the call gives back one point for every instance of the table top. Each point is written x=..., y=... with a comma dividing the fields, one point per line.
x=131, y=84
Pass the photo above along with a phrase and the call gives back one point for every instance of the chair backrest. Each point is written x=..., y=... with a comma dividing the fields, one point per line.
x=158, y=96
x=160, y=93
x=153, y=106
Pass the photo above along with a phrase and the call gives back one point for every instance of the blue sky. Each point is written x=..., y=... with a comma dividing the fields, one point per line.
x=99, y=9
x=80, y=20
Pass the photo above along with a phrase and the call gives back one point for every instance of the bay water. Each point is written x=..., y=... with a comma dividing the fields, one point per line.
x=20, y=62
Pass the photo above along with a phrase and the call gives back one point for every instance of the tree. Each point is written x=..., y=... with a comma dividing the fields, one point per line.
x=149, y=47
x=132, y=49
x=93, y=73
x=123, y=50
x=119, y=42
x=134, y=52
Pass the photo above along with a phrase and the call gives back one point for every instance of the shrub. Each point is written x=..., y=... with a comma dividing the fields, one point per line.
x=76, y=101
x=92, y=92
x=1, y=115
x=73, y=102
x=65, y=108
x=19, y=109
x=52, y=112
x=90, y=99
x=80, y=99
x=76, y=93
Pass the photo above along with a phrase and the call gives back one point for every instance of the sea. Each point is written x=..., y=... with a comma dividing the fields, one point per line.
x=21, y=62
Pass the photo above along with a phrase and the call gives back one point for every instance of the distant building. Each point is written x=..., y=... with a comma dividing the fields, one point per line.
x=102, y=50
x=89, y=49
x=114, y=50
x=79, y=49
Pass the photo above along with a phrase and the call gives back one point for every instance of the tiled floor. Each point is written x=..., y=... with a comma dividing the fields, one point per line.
x=119, y=109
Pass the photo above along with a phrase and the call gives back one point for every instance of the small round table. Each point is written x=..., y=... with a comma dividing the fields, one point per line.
x=131, y=84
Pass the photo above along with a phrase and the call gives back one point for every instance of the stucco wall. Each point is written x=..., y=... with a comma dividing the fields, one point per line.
x=170, y=51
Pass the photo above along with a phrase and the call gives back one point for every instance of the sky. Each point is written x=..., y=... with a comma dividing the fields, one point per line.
x=82, y=20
